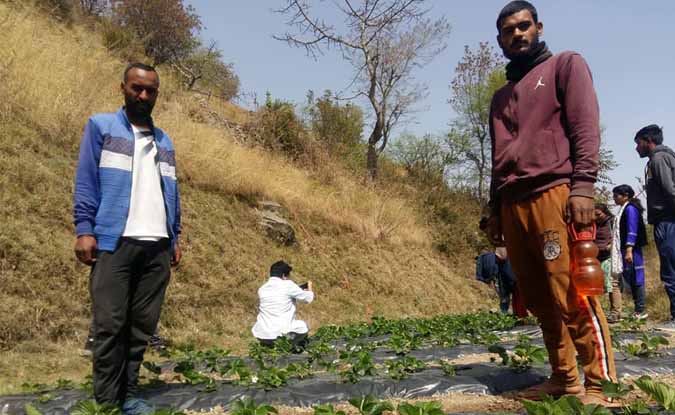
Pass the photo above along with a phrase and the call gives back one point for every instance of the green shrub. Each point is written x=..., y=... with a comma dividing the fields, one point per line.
x=335, y=125
x=278, y=128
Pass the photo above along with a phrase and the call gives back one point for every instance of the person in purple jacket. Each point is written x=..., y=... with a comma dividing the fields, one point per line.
x=632, y=234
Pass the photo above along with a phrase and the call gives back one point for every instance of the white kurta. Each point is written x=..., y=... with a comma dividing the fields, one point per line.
x=276, y=310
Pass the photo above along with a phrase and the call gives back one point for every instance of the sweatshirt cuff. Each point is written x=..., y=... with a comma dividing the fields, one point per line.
x=84, y=228
x=585, y=189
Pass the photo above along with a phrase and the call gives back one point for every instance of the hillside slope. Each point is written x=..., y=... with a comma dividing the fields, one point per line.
x=368, y=250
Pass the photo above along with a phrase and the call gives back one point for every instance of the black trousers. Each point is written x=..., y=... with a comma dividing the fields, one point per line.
x=127, y=289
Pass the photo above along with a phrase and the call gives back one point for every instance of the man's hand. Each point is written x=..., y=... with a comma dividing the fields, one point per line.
x=629, y=255
x=85, y=249
x=493, y=231
x=177, y=254
x=580, y=210
x=309, y=286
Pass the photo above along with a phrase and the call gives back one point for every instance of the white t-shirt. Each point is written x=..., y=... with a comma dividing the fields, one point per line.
x=147, y=214
x=276, y=315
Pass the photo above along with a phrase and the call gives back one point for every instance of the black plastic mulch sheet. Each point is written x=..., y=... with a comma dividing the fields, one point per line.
x=478, y=379
x=483, y=378
x=487, y=378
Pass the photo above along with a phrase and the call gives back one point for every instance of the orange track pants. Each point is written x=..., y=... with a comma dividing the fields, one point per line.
x=538, y=244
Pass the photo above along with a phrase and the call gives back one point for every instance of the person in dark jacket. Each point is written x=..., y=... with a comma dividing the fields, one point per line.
x=545, y=132
x=494, y=268
x=632, y=237
x=660, y=184
x=603, y=239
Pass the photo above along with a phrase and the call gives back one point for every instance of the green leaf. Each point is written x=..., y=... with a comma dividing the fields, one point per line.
x=31, y=410
x=616, y=390
x=660, y=392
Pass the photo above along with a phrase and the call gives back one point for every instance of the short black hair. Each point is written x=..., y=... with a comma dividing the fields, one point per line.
x=603, y=208
x=513, y=8
x=652, y=133
x=138, y=65
x=624, y=190
x=280, y=269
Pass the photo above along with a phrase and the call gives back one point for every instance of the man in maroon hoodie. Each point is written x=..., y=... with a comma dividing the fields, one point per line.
x=544, y=125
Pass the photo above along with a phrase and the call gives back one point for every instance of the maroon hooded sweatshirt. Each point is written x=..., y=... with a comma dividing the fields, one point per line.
x=545, y=131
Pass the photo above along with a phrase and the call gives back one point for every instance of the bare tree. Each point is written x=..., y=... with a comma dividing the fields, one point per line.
x=477, y=76
x=384, y=41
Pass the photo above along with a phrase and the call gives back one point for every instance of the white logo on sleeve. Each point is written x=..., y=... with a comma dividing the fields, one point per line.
x=539, y=83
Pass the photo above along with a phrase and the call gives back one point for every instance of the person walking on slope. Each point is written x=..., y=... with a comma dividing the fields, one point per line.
x=604, y=220
x=544, y=126
x=630, y=236
x=127, y=219
x=660, y=185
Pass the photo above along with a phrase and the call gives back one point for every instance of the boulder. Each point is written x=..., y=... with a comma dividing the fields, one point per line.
x=274, y=224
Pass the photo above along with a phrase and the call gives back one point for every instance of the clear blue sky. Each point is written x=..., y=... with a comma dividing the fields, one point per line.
x=628, y=45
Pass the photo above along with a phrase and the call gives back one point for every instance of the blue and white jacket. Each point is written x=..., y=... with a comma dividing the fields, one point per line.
x=103, y=181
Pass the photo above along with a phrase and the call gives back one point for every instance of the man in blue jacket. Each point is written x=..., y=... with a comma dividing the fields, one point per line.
x=127, y=218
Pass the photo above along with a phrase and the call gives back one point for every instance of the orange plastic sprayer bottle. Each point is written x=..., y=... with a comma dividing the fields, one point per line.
x=585, y=269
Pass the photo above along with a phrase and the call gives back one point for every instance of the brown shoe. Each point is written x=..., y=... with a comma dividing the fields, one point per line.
x=549, y=388
x=596, y=398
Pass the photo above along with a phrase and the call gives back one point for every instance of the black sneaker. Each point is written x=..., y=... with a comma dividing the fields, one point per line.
x=157, y=343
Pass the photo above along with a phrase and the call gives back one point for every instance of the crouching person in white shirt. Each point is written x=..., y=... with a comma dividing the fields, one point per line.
x=276, y=309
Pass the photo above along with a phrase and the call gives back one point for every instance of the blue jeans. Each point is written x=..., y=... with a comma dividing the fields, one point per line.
x=637, y=291
x=664, y=235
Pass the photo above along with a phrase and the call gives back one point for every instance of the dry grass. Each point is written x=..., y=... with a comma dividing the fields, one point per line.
x=367, y=249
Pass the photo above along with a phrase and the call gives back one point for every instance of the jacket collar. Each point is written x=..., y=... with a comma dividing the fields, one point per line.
x=122, y=115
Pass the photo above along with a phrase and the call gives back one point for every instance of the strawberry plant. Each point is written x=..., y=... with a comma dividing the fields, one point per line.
x=446, y=339
x=421, y=408
x=648, y=346
x=368, y=405
x=272, y=377
x=638, y=407
x=403, y=343
x=31, y=410
x=567, y=405
x=662, y=393
x=46, y=397
x=299, y=370
x=400, y=368
x=64, y=384
x=522, y=357
x=237, y=370
x=327, y=409
x=447, y=368
x=616, y=390
x=30, y=387
x=88, y=385
x=247, y=406
x=318, y=349
x=631, y=323
x=359, y=365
